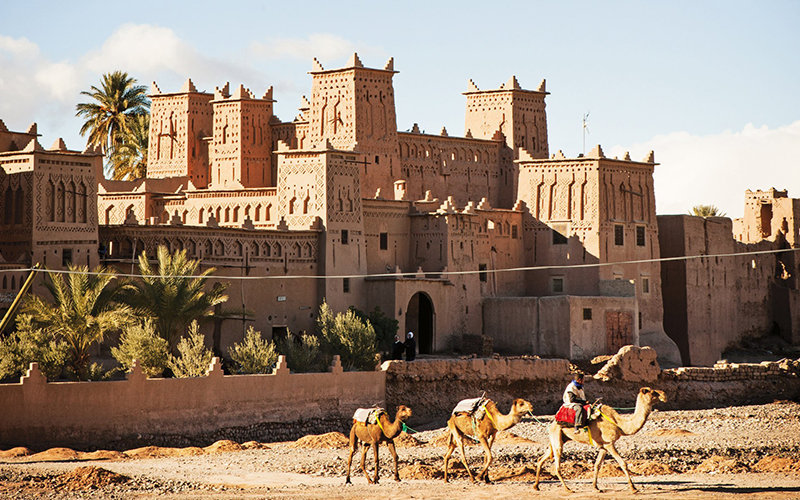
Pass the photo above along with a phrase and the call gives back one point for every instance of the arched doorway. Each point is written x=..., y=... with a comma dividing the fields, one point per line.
x=419, y=319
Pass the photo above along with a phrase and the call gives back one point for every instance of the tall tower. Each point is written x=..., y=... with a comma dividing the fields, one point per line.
x=518, y=113
x=241, y=148
x=179, y=122
x=353, y=107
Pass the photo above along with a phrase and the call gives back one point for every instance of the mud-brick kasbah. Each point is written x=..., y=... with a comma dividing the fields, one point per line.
x=490, y=240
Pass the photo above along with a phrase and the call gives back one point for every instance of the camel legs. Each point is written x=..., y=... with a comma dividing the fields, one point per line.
x=460, y=440
x=601, y=455
x=377, y=465
x=353, y=443
x=547, y=456
x=390, y=444
x=363, y=462
x=487, y=450
x=614, y=453
x=450, y=447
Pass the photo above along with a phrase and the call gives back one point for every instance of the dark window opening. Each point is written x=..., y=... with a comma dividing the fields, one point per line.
x=558, y=285
x=640, y=241
x=377, y=159
x=640, y=321
x=558, y=238
x=279, y=332
x=645, y=285
x=587, y=313
x=345, y=236
x=514, y=231
x=384, y=241
x=482, y=275
x=66, y=257
x=619, y=234
x=346, y=285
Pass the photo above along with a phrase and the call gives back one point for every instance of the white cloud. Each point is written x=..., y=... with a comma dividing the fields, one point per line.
x=329, y=49
x=717, y=169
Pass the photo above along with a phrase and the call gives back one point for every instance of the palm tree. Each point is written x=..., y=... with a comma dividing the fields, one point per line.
x=84, y=307
x=115, y=103
x=706, y=211
x=129, y=160
x=174, y=294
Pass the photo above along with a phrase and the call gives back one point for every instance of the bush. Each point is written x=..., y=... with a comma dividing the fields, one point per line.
x=253, y=355
x=140, y=342
x=28, y=345
x=193, y=359
x=385, y=326
x=348, y=336
x=303, y=354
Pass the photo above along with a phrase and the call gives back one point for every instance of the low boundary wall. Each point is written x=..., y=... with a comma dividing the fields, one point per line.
x=185, y=411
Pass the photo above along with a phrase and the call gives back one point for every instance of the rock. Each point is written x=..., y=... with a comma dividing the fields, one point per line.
x=668, y=354
x=631, y=364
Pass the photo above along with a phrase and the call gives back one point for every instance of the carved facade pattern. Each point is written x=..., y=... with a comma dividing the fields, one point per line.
x=348, y=214
x=65, y=202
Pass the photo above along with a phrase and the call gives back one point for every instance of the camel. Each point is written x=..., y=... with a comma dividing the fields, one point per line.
x=484, y=431
x=373, y=435
x=602, y=433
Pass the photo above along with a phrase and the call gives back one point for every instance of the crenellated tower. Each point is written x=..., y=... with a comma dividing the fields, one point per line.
x=517, y=113
x=179, y=124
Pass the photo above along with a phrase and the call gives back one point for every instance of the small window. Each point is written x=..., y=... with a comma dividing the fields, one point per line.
x=557, y=285
x=346, y=285
x=514, y=231
x=587, y=313
x=377, y=159
x=384, y=241
x=482, y=274
x=645, y=285
x=640, y=320
x=619, y=234
x=66, y=257
x=345, y=236
x=558, y=238
x=640, y=236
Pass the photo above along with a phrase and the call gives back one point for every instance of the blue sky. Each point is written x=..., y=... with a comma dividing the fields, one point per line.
x=711, y=86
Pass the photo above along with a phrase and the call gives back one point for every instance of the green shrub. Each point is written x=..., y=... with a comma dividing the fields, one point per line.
x=385, y=326
x=348, y=336
x=253, y=355
x=28, y=345
x=193, y=358
x=140, y=342
x=302, y=355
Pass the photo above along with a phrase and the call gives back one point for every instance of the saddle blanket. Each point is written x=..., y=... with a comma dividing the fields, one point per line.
x=566, y=415
x=473, y=406
x=367, y=415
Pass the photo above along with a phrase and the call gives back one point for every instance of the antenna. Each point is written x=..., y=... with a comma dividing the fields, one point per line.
x=585, y=130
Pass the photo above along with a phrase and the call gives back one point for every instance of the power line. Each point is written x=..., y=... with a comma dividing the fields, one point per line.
x=441, y=273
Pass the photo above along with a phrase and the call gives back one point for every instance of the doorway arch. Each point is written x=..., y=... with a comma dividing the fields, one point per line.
x=419, y=319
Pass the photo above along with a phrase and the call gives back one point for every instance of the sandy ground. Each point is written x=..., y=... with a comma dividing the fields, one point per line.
x=741, y=452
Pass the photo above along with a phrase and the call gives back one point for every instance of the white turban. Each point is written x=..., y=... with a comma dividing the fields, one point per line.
x=410, y=335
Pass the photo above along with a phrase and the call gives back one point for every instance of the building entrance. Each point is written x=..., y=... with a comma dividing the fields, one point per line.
x=419, y=319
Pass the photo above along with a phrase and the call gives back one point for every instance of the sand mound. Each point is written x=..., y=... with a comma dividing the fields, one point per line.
x=670, y=432
x=102, y=455
x=19, y=451
x=160, y=452
x=506, y=437
x=407, y=441
x=88, y=478
x=222, y=446
x=423, y=471
x=719, y=464
x=254, y=445
x=778, y=464
x=328, y=440
x=55, y=455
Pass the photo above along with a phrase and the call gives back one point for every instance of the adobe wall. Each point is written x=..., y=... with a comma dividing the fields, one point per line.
x=139, y=411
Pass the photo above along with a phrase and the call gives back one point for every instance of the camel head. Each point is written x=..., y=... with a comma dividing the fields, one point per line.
x=403, y=413
x=521, y=407
x=650, y=396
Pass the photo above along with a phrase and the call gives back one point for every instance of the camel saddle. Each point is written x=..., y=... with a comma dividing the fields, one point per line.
x=566, y=416
x=367, y=415
x=474, y=407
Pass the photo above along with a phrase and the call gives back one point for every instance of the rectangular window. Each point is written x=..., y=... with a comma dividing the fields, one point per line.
x=645, y=285
x=619, y=234
x=640, y=321
x=345, y=236
x=384, y=239
x=514, y=231
x=66, y=257
x=482, y=274
x=559, y=238
x=587, y=313
x=346, y=285
x=557, y=285
x=640, y=236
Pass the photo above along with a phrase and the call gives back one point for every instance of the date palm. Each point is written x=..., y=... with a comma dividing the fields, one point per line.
x=129, y=160
x=706, y=211
x=85, y=306
x=108, y=116
x=174, y=293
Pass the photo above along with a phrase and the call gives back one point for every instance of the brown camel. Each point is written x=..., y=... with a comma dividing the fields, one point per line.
x=373, y=435
x=602, y=433
x=484, y=431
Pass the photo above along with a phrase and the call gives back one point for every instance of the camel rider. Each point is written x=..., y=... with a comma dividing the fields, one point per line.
x=575, y=398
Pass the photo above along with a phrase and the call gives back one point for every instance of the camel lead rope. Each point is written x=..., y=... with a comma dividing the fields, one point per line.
x=378, y=420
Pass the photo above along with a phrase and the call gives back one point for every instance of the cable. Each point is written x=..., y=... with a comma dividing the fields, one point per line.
x=441, y=273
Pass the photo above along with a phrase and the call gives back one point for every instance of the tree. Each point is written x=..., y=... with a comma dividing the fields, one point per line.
x=142, y=344
x=194, y=358
x=706, y=211
x=84, y=308
x=302, y=354
x=253, y=354
x=28, y=344
x=385, y=326
x=129, y=160
x=348, y=336
x=173, y=294
x=108, y=118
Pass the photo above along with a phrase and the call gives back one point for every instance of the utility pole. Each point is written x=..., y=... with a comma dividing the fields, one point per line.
x=22, y=291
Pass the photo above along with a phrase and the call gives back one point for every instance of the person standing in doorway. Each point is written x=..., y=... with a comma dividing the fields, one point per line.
x=411, y=347
x=397, y=348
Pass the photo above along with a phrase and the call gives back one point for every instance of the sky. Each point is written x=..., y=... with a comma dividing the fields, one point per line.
x=713, y=87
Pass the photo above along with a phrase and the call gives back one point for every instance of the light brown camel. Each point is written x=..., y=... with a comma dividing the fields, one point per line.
x=484, y=431
x=602, y=433
x=373, y=435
